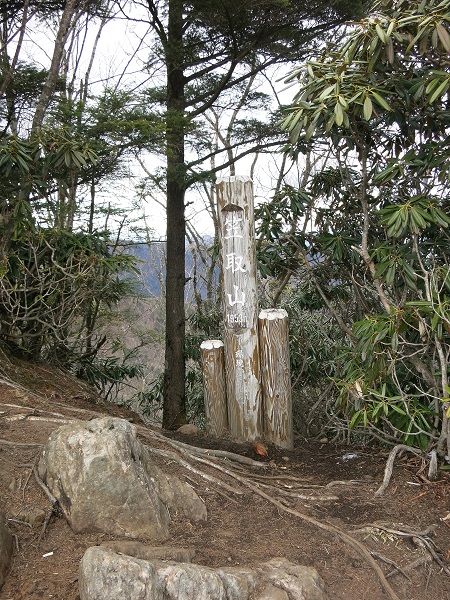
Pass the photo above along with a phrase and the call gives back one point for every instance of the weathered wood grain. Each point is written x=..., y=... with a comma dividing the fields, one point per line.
x=240, y=306
x=276, y=377
x=213, y=366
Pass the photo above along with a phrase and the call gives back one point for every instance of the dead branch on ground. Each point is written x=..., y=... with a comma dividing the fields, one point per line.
x=421, y=539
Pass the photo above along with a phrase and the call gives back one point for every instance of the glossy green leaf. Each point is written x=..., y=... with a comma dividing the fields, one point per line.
x=381, y=101
x=443, y=36
x=367, y=108
x=339, y=114
x=441, y=89
x=380, y=33
x=327, y=92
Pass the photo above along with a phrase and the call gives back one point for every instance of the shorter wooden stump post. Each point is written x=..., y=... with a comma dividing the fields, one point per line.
x=276, y=377
x=213, y=364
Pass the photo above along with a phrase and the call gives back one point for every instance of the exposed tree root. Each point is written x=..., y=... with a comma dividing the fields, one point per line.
x=34, y=411
x=295, y=493
x=20, y=521
x=53, y=509
x=33, y=417
x=184, y=463
x=193, y=453
x=419, y=562
x=29, y=444
x=345, y=537
x=390, y=465
x=390, y=562
x=404, y=532
x=245, y=460
x=421, y=539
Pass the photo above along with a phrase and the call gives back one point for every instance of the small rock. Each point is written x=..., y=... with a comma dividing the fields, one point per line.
x=188, y=429
x=14, y=485
x=349, y=456
x=323, y=440
x=35, y=516
x=299, y=582
x=285, y=458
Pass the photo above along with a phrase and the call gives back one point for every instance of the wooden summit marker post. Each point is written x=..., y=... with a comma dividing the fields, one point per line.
x=240, y=306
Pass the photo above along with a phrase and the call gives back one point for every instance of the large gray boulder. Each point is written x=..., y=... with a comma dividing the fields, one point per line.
x=104, y=480
x=105, y=575
x=6, y=550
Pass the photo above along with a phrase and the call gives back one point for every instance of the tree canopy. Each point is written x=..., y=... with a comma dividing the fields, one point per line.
x=380, y=99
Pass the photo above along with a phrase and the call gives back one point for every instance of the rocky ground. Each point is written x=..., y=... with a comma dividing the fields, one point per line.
x=301, y=505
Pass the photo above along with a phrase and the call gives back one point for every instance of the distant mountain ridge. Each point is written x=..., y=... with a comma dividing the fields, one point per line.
x=151, y=264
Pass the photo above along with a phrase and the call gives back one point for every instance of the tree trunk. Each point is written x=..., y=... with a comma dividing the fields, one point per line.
x=174, y=410
x=7, y=68
x=58, y=53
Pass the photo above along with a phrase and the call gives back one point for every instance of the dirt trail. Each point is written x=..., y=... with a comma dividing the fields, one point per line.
x=242, y=529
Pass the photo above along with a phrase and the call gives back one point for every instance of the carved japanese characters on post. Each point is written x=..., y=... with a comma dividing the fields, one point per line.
x=235, y=268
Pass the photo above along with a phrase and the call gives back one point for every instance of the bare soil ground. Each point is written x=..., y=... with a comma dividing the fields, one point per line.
x=242, y=529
